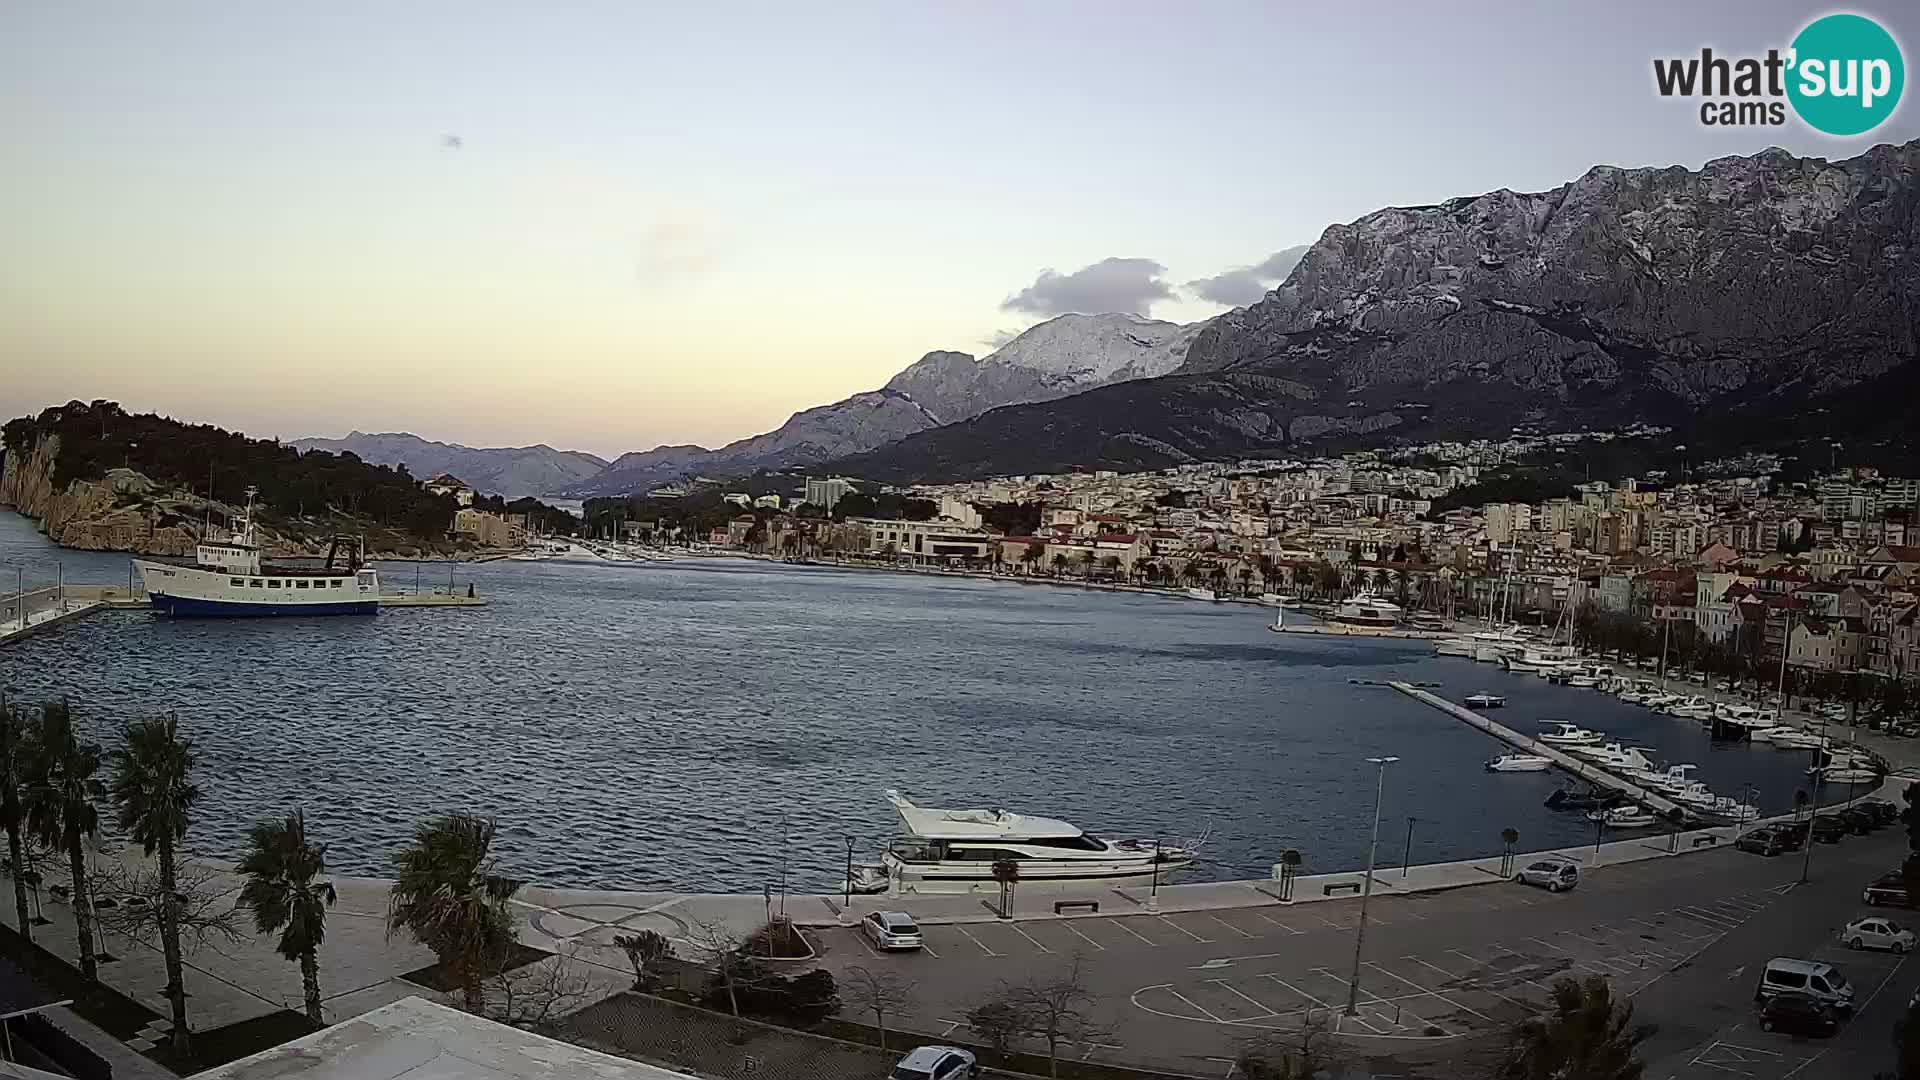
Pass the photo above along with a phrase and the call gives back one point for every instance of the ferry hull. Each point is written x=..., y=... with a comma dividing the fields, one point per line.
x=190, y=608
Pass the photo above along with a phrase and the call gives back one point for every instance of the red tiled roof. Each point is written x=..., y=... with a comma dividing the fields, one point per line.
x=1904, y=552
x=1119, y=538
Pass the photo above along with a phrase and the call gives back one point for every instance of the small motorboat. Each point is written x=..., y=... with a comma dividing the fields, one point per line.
x=1484, y=700
x=1733, y=810
x=1675, y=778
x=868, y=878
x=1592, y=799
x=1624, y=817
x=1792, y=738
x=1565, y=734
x=1520, y=763
x=1849, y=774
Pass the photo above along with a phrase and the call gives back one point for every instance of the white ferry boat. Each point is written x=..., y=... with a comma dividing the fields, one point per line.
x=955, y=851
x=227, y=579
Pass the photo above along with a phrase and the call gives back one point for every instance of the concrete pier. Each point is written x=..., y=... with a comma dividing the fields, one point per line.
x=1342, y=630
x=1659, y=804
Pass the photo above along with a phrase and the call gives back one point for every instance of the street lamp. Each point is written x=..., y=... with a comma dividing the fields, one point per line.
x=1366, y=890
x=1406, y=857
x=1806, y=859
x=848, y=896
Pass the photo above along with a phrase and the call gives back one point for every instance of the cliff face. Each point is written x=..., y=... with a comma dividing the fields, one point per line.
x=121, y=511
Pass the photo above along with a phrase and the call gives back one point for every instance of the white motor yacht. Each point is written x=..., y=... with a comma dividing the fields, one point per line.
x=1199, y=593
x=1565, y=734
x=1672, y=779
x=1520, y=763
x=1793, y=738
x=1367, y=609
x=1623, y=817
x=1484, y=700
x=1747, y=718
x=1693, y=708
x=955, y=851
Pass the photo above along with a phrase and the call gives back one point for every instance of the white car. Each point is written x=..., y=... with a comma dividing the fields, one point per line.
x=935, y=1063
x=1553, y=875
x=1876, y=932
x=891, y=930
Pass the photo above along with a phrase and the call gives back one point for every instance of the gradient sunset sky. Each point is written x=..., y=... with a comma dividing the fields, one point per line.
x=608, y=226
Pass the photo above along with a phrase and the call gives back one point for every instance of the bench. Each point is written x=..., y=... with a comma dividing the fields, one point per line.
x=1062, y=905
x=1350, y=886
x=1707, y=839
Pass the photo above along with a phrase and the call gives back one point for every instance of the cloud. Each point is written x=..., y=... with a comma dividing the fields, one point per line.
x=1247, y=284
x=999, y=338
x=1129, y=285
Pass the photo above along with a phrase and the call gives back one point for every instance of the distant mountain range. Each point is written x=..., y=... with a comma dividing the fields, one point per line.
x=510, y=471
x=1769, y=300
x=1056, y=358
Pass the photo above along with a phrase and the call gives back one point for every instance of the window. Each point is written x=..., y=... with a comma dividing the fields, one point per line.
x=1787, y=978
x=238, y=582
x=273, y=583
x=338, y=582
x=254, y=583
x=300, y=584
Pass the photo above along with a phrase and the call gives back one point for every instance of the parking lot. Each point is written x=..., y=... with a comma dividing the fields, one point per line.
x=1743, y=1050
x=1186, y=989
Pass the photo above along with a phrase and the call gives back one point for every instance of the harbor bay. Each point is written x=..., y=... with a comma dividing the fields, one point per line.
x=725, y=725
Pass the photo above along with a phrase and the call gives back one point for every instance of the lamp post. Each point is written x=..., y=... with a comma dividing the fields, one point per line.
x=1366, y=890
x=1806, y=858
x=1153, y=891
x=1406, y=856
x=848, y=896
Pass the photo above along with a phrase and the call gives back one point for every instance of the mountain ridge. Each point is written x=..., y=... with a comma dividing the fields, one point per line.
x=1749, y=291
x=512, y=471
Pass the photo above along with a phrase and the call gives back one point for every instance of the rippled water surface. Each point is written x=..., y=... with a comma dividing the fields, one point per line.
x=705, y=725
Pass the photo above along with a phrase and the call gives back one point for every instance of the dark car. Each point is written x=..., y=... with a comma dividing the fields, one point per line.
x=1829, y=829
x=1886, y=812
x=1889, y=888
x=1858, y=821
x=1798, y=1014
x=1765, y=840
x=1792, y=833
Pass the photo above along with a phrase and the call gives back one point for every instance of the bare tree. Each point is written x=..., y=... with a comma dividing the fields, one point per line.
x=1288, y=1055
x=643, y=949
x=997, y=1022
x=538, y=993
x=881, y=993
x=1058, y=1010
x=202, y=901
x=719, y=946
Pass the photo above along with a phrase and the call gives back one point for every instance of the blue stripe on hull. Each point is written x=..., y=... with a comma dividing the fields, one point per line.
x=220, y=609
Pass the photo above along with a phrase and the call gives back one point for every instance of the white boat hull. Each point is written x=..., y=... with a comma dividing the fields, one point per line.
x=975, y=876
x=199, y=592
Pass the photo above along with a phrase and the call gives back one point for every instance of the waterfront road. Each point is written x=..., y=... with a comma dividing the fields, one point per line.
x=1443, y=975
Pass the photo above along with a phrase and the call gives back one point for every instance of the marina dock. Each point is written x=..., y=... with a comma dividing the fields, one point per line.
x=1344, y=630
x=436, y=598
x=1659, y=804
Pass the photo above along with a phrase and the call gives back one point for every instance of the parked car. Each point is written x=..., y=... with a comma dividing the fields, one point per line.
x=1792, y=833
x=892, y=930
x=1859, y=820
x=1553, y=875
x=1765, y=840
x=1821, y=981
x=1828, y=828
x=1880, y=808
x=1877, y=932
x=935, y=1063
x=1798, y=1014
x=1889, y=888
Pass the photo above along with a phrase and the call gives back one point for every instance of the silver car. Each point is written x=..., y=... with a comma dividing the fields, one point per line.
x=935, y=1063
x=891, y=930
x=1553, y=875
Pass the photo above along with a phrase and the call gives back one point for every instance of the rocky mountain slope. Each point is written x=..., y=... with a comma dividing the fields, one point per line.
x=512, y=471
x=1061, y=356
x=1738, y=302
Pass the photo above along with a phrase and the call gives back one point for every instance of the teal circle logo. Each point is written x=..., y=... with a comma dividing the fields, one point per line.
x=1847, y=74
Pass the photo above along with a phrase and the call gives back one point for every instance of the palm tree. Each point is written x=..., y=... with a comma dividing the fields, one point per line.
x=1586, y=1036
x=283, y=893
x=1059, y=561
x=448, y=897
x=151, y=784
x=58, y=795
x=12, y=731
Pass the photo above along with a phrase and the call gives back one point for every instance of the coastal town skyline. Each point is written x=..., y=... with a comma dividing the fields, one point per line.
x=439, y=235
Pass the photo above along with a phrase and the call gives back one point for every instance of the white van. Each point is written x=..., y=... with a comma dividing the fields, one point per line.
x=1822, y=982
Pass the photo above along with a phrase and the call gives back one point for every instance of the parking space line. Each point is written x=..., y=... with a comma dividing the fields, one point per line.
x=1134, y=932
x=1167, y=920
x=1296, y=990
x=1711, y=918
x=928, y=949
x=1191, y=1004
x=1430, y=993
x=1522, y=956
x=1471, y=984
x=975, y=940
x=1222, y=984
x=1675, y=931
x=1015, y=927
x=1278, y=923
x=1328, y=921
x=1226, y=924
x=1083, y=937
x=861, y=937
x=1373, y=999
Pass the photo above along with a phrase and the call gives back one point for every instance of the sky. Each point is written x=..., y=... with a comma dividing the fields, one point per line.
x=610, y=226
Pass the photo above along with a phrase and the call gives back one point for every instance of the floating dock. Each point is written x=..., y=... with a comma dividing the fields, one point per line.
x=436, y=598
x=1655, y=802
x=1343, y=630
